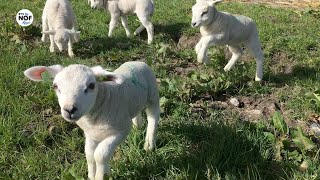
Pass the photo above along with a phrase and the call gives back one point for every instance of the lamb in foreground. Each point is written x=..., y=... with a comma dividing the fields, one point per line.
x=59, y=22
x=121, y=8
x=222, y=28
x=105, y=110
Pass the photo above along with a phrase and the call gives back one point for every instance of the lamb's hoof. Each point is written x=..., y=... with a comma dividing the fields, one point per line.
x=128, y=34
x=51, y=49
x=149, y=41
x=258, y=79
x=71, y=55
x=44, y=39
x=148, y=147
x=226, y=69
x=203, y=61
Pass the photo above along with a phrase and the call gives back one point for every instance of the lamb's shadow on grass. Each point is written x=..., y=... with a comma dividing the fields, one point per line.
x=297, y=73
x=173, y=31
x=215, y=148
x=93, y=46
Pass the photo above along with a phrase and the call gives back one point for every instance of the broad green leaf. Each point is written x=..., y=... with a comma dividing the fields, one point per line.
x=204, y=76
x=316, y=96
x=194, y=77
x=303, y=143
x=279, y=123
x=269, y=136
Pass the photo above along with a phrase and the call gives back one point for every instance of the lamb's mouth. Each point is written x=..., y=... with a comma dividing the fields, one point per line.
x=72, y=118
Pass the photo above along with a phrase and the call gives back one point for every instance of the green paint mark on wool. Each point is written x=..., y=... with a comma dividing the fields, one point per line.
x=134, y=79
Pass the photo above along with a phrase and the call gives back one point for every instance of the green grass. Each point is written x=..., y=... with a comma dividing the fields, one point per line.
x=203, y=143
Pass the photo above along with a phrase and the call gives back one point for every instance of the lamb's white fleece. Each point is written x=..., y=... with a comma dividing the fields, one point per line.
x=105, y=110
x=121, y=8
x=222, y=28
x=59, y=22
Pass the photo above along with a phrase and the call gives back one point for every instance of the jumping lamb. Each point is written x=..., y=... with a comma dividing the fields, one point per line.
x=222, y=28
x=121, y=8
x=59, y=22
x=105, y=109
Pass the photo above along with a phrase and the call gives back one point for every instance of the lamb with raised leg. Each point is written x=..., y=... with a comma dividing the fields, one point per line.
x=222, y=28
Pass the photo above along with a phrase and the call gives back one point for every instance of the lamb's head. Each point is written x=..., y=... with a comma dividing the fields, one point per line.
x=75, y=86
x=97, y=3
x=61, y=37
x=203, y=12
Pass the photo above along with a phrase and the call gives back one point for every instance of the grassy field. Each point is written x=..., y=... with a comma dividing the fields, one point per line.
x=200, y=136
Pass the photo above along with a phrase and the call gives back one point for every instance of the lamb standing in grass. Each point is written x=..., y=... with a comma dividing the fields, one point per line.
x=222, y=28
x=59, y=22
x=103, y=110
x=121, y=8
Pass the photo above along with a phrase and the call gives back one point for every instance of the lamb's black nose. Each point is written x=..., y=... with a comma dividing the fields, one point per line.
x=193, y=24
x=71, y=110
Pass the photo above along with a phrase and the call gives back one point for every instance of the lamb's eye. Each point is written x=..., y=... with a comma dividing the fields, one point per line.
x=203, y=13
x=91, y=86
x=54, y=86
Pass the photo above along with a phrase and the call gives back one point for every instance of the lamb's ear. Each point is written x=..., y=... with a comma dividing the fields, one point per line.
x=50, y=32
x=34, y=73
x=73, y=32
x=212, y=3
x=54, y=70
x=107, y=75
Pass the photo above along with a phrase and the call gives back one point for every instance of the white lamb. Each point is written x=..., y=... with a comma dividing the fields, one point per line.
x=222, y=28
x=121, y=8
x=59, y=22
x=105, y=110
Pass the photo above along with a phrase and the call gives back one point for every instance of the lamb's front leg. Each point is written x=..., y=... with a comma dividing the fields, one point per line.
x=124, y=21
x=90, y=147
x=198, y=46
x=52, y=43
x=203, y=50
x=45, y=27
x=104, y=152
x=70, y=51
x=113, y=22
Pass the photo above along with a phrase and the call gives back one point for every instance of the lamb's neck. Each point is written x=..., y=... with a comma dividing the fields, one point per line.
x=212, y=26
x=102, y=104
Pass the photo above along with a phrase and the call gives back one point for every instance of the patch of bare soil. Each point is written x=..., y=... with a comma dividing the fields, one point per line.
x=188, y=42
x=249, y=108
x=282, y=63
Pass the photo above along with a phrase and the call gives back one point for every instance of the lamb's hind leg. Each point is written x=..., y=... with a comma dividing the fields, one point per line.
x=236, y=55
x=254, y=47
x=145, y=21
x=137, y=121
x=153, y=115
